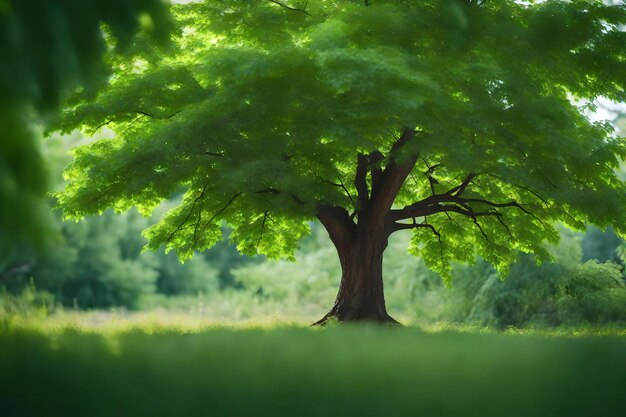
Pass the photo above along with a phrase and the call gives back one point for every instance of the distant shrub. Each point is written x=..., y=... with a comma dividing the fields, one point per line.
x=193, y=277
x=27, y=302
x=595, y=293
x=98, y=263
x=313, y=278
x=562, y=292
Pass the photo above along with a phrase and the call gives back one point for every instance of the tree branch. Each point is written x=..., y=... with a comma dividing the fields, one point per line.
x=392, y=178
x=275, y=191
x=338, y=224
x=458, y=190
x=415, y=225
x=295, y=9
x=220, y=211
x=341, y=185
x=480, y=228
x=195, y=228
x=429, y=205
x=436, y=204
x=509, y=204
x=548, y=180
x=431, y=180
x=430, y=168
x=425, y=224
x=262, y=230
x=193, y=205
x=144, y=113
x=506, y=227
x=376, y=172
x=395, y=226
x=101, y=125
x=450, y=196
x=360, y=181
x=454, y=209
x=141, y=114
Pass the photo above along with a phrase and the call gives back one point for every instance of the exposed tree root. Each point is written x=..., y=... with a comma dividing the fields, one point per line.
x=374, y=319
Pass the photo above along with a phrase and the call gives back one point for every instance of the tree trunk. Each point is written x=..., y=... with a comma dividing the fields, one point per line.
x=361, y=296
x=361, y=245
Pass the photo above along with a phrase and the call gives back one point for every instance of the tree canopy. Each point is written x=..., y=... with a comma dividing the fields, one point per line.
x=461, y=120
x=49, y=47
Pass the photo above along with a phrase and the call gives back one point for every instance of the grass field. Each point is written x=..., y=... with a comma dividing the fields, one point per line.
x=291, y=371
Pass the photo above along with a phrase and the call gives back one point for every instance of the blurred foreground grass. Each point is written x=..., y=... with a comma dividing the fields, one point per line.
x=146, y=366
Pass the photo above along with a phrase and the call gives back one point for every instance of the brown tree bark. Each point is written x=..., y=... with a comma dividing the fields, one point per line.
x=360, y=249
x=360, y=246
x=361, y=295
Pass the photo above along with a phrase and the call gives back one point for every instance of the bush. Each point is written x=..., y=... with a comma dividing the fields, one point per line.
x=193, y=277
x=562, y=292
x=28, y=302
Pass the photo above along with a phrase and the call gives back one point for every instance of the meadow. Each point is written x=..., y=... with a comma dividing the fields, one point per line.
x=146, y=365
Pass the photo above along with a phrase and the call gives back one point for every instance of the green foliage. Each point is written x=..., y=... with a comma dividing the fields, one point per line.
x=96, y=266
x=193, y=277
x=355, y=370
x=29, y=302
x=262, y=110
x=313, y=279
x=411, y=289
x=49, y=48
x=23, y=212
x=562, y=293
x=225, y=257
x=565, y=292
x=98, y=263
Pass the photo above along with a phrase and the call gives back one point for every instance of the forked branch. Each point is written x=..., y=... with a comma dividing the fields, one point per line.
x=397, y=170
x=415, y=225
x=452, y=201
x=189, y=213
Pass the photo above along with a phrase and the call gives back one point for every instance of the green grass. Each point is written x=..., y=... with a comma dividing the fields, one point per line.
x=189, y=369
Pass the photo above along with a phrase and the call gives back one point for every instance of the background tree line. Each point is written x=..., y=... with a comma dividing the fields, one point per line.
x=98, y=263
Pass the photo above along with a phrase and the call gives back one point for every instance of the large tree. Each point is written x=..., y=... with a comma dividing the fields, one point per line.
x=463, y=121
